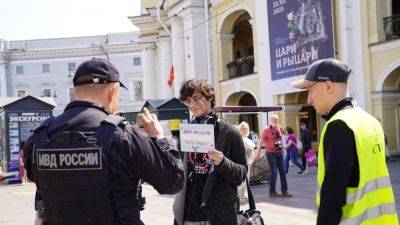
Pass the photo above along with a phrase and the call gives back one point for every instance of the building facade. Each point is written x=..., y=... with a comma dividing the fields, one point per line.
x=258, y=56
x=253, y=49
x=45, y=67
x=381, y=37
x=175, y=33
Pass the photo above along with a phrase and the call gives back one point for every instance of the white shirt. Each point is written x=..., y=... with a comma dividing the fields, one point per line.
x=249, y=144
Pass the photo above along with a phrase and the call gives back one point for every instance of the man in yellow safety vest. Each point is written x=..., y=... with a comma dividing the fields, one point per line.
x=353, y=181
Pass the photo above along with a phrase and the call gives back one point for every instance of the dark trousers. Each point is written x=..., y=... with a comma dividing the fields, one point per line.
x=275, y=160
x=303, y=158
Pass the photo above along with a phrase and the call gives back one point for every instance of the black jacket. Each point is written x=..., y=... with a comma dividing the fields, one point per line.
x=135, y=155
x=306, y=137
x=341, y=167
x=220, y=197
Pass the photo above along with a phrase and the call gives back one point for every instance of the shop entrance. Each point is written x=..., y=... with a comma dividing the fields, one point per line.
x=307, y=114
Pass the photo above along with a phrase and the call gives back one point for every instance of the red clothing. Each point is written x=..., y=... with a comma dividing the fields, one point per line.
x=22, y=172
x=270, y=136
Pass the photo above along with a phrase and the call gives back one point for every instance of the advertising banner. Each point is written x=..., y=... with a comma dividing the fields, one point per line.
x=300, y=32
x=19, y=129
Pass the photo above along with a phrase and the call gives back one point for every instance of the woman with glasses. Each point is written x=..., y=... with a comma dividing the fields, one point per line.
x=210, y=196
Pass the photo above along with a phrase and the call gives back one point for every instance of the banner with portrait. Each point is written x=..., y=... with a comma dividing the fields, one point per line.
x=300, y=32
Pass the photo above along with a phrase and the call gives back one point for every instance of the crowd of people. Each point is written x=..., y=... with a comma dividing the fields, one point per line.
x=109, y=157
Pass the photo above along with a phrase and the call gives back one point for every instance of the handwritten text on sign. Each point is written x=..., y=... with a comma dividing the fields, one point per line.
x=197, y=137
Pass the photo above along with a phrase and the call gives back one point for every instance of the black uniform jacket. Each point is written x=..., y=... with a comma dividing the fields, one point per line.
x=141, y=156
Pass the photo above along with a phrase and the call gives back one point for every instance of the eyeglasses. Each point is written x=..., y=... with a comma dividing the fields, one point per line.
x=195, y=98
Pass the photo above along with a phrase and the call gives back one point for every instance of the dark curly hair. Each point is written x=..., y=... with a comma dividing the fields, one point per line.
x=201, y=86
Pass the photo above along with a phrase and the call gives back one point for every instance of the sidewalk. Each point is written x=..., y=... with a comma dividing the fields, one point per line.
x=16, y=206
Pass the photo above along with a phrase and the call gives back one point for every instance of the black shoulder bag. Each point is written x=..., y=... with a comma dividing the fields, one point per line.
x=251, y=216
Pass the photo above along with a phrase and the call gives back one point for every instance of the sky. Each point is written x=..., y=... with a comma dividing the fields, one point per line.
x=39, y=19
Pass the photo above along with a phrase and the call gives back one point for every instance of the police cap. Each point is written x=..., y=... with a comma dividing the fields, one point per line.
x=101, y=71
x=324, y=70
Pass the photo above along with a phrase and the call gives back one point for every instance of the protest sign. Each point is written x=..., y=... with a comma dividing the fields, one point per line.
x=197, y=138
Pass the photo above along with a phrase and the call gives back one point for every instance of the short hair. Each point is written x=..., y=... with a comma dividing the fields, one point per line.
x=274, y=117
x=289, y=130
x=201, y=86
x=245, y=126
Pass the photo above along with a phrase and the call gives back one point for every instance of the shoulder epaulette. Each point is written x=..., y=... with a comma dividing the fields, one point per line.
x=114, y=120
x=42, y=125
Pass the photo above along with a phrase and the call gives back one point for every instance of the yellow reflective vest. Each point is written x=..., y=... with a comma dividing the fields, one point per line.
x=372, y=202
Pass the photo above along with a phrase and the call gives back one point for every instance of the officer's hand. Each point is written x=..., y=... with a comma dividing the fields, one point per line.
x=151, y=124
x=216, y=155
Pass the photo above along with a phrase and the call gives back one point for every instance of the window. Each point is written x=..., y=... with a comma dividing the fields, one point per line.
x=71, y=91
x=46, y=92
x=46, y=68
x=21, y=93
x=137, y=61
x=71, y=67
x=20, y=69
x=138, y=88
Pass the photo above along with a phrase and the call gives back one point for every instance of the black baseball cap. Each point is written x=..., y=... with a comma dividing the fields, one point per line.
x=101, y=70
x=324, y=70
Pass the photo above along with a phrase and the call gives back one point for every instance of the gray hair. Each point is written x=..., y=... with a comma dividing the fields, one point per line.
x=243, y=126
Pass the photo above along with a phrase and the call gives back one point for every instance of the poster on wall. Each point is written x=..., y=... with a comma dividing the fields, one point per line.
x=300, y=32
x=19, y=129
x=13, y=131
x=2, y=140
x=27, y=121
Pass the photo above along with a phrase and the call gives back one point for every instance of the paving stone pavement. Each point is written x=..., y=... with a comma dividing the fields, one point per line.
x=16, y=202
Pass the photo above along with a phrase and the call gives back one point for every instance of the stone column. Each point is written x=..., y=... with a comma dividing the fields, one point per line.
x=178, y=52
x=353, y=50
x=149, y=72
x=226, y=55
x=195, y=43
x=3, y=78
x=255, y=44
x=165, y=63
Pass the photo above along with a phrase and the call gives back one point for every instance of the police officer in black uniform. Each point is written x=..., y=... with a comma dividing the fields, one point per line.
x=88, y=163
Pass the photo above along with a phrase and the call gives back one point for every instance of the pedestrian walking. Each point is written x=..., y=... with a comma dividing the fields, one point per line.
x=272, y=139
x=88, y=164
x=306, y=139
x=249, y=148
x=353, y=180
x=210, y=196
x=22, y=171
x=291, y=148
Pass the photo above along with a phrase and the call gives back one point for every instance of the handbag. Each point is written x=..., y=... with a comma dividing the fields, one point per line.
x=299, y=144
x=251, y=216
x=311, y=158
